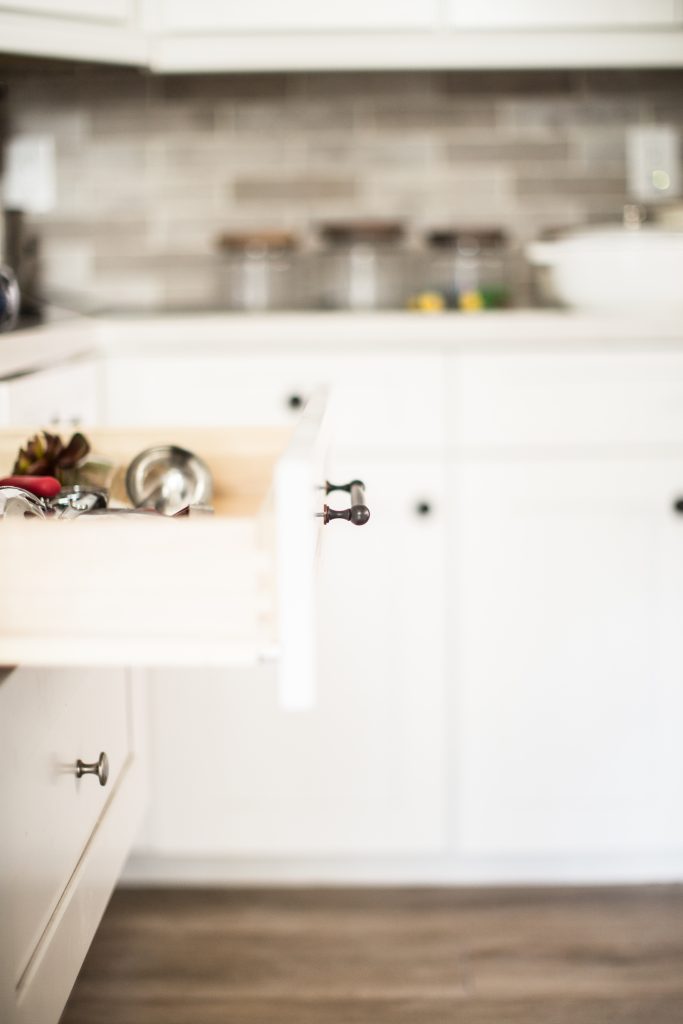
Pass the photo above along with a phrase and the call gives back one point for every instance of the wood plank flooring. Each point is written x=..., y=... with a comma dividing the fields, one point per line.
x=386, y=956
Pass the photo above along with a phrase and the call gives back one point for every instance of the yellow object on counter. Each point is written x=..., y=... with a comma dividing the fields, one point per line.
x=470, y=302
x=427, y=302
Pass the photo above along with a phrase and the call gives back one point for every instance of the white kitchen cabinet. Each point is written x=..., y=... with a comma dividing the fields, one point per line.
x=360, y=774
x=566, y=400
x=65, y=838
x=210, y=35
x=214, y=36
x=375, y=402
x=297, y=15
x=60, y=398
x=564, y=656
x=538, y=15
x=95, y=30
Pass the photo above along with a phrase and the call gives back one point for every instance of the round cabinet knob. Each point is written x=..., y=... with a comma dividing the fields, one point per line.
x=678, y=506
x=295, y=401
x=100, y=768
x=423, y=508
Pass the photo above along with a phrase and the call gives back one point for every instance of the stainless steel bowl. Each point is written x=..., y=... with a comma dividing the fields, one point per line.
x=168, y=479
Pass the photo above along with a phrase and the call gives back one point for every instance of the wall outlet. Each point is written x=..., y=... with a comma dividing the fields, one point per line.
x=30, y=179
x=653, y=162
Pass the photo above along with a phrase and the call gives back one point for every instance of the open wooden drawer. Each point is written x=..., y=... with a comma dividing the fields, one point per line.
x=233, y=588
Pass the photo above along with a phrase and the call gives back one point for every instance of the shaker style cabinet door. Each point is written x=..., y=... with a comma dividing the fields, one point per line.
x=296, y=15
x=106, y=31
x=65, y=835
x=580, y=14
x=566, y=660
x=89, y=10
x=362, y=771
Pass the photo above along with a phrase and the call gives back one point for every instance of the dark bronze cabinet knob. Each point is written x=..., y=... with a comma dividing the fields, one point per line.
x=358, y=514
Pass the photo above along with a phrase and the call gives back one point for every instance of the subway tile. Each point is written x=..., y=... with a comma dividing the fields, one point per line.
x=497, y=83
x=505, y=150
x=144, y=117
x=430, y=113
x=589, y=185
x=297, y=189
x=203, y=88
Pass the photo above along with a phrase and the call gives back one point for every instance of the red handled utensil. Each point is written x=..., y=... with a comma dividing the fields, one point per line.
x=41, y=486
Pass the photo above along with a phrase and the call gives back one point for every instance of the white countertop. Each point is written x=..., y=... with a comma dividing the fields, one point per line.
x=37, y=347
x=547, y=330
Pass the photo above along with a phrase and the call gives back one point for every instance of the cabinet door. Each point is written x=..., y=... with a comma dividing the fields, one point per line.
x=538, y=14
x=297, y=15
x=566, y=656
x=362, y=773
x=107, y=31
x=61, y=397
x=64, y=838
x=88, y=10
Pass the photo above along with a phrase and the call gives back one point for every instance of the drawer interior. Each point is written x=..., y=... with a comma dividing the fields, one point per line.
x=148, y=590
x=241, y=459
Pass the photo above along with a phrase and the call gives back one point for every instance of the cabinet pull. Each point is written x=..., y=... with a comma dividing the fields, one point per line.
x=358, y=513
x=100, y=768
x=678, y=506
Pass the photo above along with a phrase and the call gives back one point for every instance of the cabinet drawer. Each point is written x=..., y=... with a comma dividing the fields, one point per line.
x=62, y=395
x=378, y=401
x=537, y=400
x=48, y=720
x=207, y=590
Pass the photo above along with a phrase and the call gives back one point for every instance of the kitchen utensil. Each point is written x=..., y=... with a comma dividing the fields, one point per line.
x=15, y=501
x=615, y=269
x=41, y=486
x=75, y=501
x=168, y=478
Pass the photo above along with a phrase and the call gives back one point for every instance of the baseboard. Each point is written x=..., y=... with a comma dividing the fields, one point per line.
x=152, y=868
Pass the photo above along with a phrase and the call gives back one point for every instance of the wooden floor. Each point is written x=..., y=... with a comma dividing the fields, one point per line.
x=386, y=956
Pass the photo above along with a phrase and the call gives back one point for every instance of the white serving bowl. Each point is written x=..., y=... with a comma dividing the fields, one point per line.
x=613, y=269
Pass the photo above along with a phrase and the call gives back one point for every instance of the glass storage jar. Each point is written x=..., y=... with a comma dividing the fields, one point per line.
x=259, y=271
x=363, y=265
x=467, y=269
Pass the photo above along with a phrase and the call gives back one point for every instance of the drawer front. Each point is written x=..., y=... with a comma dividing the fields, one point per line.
x=378, y=401
x=536, y=400
x=63, y=396
x=49, y=718
x=199, y=590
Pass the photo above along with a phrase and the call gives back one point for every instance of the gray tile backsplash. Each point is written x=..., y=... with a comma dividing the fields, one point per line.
x=152, y=169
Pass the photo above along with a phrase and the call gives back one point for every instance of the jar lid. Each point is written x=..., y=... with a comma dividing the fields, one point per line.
x=484, y=238
x=375, y=232
x=242, y=241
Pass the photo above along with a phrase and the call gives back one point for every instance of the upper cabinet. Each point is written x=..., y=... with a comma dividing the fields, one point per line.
x=266, y=35
x=297, y=16
x=107, y=31
x=304, y=35
x=539, y=15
